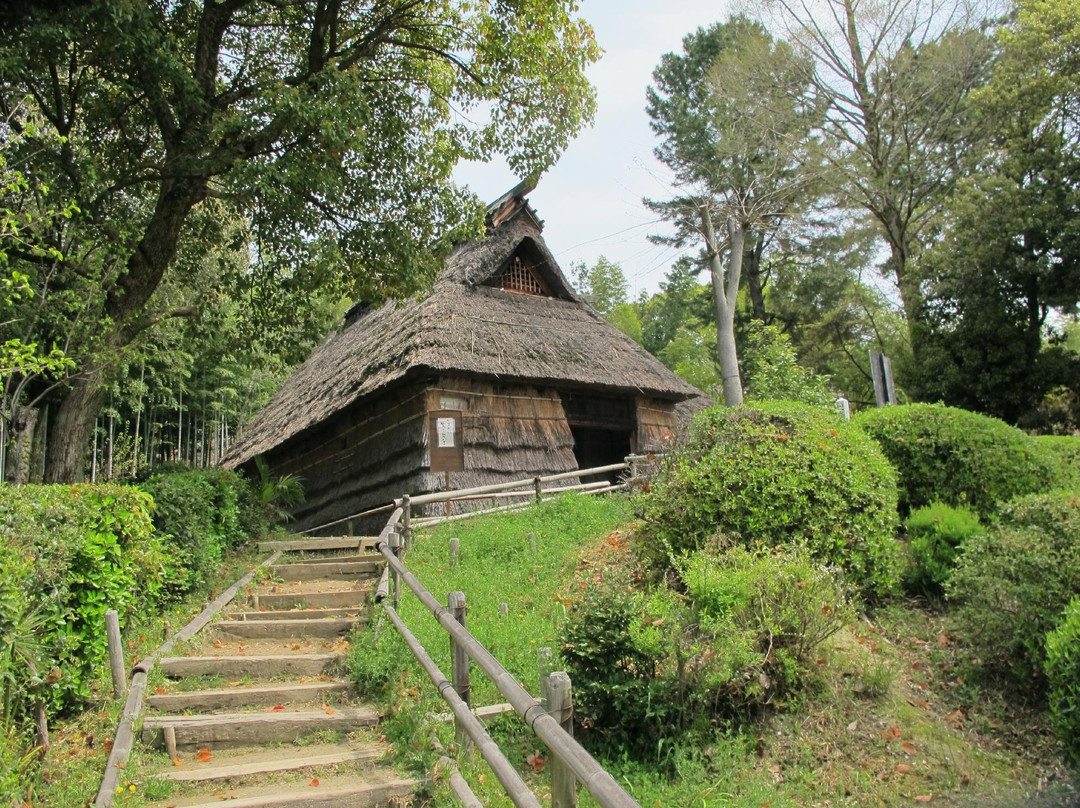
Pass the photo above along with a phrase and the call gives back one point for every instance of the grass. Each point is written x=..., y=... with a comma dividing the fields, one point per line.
x=71, y=773
x=887, y=719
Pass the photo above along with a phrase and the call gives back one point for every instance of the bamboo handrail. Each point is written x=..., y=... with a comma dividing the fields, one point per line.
x=599, y=783
x=515, y=787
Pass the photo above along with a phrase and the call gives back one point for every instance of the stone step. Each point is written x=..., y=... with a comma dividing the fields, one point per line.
x=234, y=697
x=316, y=570
x=268, y=761
x=358, y=598
x=326, y=543
x=320, y=628
x=230, y=730
x=331, y=792
x=260, y=666
x=298, y=614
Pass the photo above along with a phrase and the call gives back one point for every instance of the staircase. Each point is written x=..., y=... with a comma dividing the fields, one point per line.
x=259, y=712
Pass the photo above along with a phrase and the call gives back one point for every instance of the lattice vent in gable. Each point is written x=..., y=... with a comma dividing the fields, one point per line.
x=520, y=277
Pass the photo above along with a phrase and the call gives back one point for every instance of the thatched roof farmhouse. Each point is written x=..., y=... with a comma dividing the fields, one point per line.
x=501, y=372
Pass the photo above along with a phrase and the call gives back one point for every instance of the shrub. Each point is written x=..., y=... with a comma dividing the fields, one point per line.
x=1012, y=583
x=198, y=517
x=1063, y=675
x=778, y=473
x=70, y=553
x=1063, y=451
x=377, y=659
x=949, y=455
x=650, y=666
x=935, y=535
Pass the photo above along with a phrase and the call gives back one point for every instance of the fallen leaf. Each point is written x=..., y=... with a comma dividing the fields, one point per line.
x=536, y=760
x=329, y=710
x=314, y=782
x=854, y=725
x=159, y=691
x=177, y=762
x=903, y=768
x=218, y=644
x=278, y=708
x=924, y=798
x=203, y=755
x=908, y=747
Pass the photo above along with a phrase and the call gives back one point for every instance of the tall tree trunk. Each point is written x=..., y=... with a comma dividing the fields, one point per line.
x=17, y=468
x=71, y=430
x=725, y=295
x=755, y=283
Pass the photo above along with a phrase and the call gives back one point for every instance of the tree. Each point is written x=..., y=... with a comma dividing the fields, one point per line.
x=1012, y=251
x=898, y=75
x=604, y=284
x=330, y=127
x=736, y=123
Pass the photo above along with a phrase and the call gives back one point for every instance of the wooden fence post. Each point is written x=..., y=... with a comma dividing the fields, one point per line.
x=459, y=664
x=394, y=540
x=116, y=653
x=559, y=699
x=544, y=663
x=406, y=520
x=455, y=552
x=538, y=487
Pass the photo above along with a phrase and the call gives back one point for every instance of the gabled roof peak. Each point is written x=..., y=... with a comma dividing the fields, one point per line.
x=512, y=204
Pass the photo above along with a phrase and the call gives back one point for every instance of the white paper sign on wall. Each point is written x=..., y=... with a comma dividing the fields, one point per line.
x=444, y=428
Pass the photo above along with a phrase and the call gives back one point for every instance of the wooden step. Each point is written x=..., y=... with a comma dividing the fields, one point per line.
x=230, y=730
x=327, y=543
x=330, y=793
x=358, y=598
x=233, y=697
x=312, y=570
x=297, y=614
x=265, y=762
x=288, y=629
x=259, y=666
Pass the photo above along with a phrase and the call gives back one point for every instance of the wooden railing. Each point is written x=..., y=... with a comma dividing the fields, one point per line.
x=535, y=490
x=571, y=762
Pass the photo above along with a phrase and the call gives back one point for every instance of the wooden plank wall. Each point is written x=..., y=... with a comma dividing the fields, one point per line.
x=510, y=432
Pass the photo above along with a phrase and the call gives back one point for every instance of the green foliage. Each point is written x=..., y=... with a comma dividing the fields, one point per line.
x=70, y=554
x=199, y=514
x=650, y=665
x=1063, y=676
x=603, y=283
x=15, y=763
x=957, y=457
x=691, y=354
x=1064, y=452
x=771, y=371
x=1012, y=583
x=936, y=534
x=778, y=473
x=377, y=660
x=277, y=494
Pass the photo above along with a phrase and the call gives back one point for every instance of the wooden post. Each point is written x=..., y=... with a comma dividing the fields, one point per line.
x=504, y=609
x=459, y=663
x=406, y=520
x=531, y=539
x=544, y=663
x=42, y=729
x=538, y=487
x=455, y=552
x=446, y=488
x=394, y=540
x=560, y=706
x=170, y=741
x=116, y=653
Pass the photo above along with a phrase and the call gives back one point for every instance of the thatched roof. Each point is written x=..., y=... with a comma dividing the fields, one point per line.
x=465, y=327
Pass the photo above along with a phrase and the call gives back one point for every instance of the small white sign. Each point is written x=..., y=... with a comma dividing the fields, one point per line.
x=444, y=427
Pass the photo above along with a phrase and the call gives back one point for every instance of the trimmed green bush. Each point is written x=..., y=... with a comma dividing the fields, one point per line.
x=935, y=536
x=778, y=473
x=1063, y=676
x=1064, y=452
x=200, y=513
x=69, y=554
x=650, y=666
x=1012, y=583
x=945, y=454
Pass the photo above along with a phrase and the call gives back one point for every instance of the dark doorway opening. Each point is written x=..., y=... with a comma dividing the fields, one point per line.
x=599, y=447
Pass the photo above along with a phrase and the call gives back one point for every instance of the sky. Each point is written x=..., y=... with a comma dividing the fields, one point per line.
x=590, y=201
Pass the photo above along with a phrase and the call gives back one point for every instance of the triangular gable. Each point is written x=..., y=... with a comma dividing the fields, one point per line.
x=529, y=271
